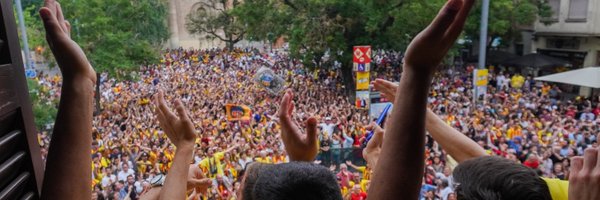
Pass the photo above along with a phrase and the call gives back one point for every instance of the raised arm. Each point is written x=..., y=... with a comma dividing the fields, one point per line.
x=231, y=148
x=299, y=146
x=458, y=145
x=402, y=155
x=67, y=174
x=180, y=130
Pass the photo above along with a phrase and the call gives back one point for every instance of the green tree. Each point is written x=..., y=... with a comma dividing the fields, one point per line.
x=314, y=28
x=215, y=20
x=507, y=18
x=44, y=110
x=117, y=35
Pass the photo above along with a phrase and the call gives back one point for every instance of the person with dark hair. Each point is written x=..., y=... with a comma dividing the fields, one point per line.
x=496, y=178
x=294, y=181
x=479, y=176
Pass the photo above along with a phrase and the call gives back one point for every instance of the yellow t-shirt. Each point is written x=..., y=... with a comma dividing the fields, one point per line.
x=266, y=160
x=212, y=165
x=559, y=189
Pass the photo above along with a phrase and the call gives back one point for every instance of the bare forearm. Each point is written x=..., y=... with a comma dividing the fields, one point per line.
x=176, y=183
x=153, y=194
x=458, y=145
x=401, y=161
x=65, y=176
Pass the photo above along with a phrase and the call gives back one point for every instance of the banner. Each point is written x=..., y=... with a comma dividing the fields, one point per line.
x=237, y=112
x=481, y=77
x=362, y=54
x=363, y=99
x=362, y=80
x=481, y=81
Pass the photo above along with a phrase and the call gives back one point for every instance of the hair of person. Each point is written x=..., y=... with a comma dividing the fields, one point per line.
x=290, y=181
x=496, y=178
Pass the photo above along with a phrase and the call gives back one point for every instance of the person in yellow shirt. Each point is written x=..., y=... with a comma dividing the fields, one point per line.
x=517, y=81
x=514, y=131
x=263, y=158
x=212, y=163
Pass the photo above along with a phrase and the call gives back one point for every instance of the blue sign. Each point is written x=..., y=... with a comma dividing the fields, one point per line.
x=30, y=73
x=361, y=67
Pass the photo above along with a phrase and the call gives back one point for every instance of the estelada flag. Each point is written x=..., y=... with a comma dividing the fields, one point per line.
x=236, y=112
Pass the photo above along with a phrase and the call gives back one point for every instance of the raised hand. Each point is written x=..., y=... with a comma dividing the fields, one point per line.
x=179, y=128
x=70, y=58
x=584, y=178
x=299, y=146
x=197, y=181
x=429, y=47
x=373, y=150
x=388, y=89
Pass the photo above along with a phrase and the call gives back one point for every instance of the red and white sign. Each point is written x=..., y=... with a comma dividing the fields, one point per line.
x=362, y=54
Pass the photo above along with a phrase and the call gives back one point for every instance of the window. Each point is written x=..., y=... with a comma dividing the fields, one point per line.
x=578, y=10
x=555, y=6
x=562, y=43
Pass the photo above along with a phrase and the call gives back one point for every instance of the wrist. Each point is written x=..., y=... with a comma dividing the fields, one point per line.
x=79, y=84
x=185, y=146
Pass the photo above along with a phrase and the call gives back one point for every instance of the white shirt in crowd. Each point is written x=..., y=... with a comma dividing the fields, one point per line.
x=327, y=128
x=122, y=176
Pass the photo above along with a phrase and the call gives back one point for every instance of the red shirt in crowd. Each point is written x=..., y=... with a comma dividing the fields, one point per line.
x=358, y=196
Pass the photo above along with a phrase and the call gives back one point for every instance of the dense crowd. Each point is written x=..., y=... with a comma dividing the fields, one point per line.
x=520, y=119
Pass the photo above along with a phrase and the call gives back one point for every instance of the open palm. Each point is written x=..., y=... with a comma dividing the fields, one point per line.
x=299, y=146
x=70, y=58
x=179, y=128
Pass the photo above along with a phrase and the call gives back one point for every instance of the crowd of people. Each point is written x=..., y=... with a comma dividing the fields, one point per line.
x=520, y=119
x=129, y=148
x=526, y=122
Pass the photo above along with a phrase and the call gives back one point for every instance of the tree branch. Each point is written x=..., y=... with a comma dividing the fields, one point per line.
x=290, y=4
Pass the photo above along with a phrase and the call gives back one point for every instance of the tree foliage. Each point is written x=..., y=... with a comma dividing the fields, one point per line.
x=215, y=20
x=315, y=27
x=117, y=35
x=507, y=18
x=44, y=111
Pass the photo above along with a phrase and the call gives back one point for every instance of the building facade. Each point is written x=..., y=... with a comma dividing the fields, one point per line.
x=181, y=37
x=574, y=34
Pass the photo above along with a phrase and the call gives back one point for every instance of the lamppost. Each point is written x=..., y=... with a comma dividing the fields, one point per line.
x=28, y=62
x=485, y=6
x=271, y=37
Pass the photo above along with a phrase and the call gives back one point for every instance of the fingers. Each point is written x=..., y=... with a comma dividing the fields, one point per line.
x=162, y=120
x=60, y=17
x=162, y=105
x=285, y=104
x=387, y=88
x=377, y=139
x=181, y=112
x=51, y=5
x=311, y=130
x=200, y=182
x=51, y=25
x=590, y=156
x=576, y=165
x=459, y=22
x=68, y=25
x=444, y=19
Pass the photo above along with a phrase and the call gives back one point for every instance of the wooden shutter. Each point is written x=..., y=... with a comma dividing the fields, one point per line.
x=21, y=167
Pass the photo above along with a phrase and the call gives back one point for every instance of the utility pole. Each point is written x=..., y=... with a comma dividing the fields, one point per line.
x=485, y=6
x=28, y=62
x=480, y=74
